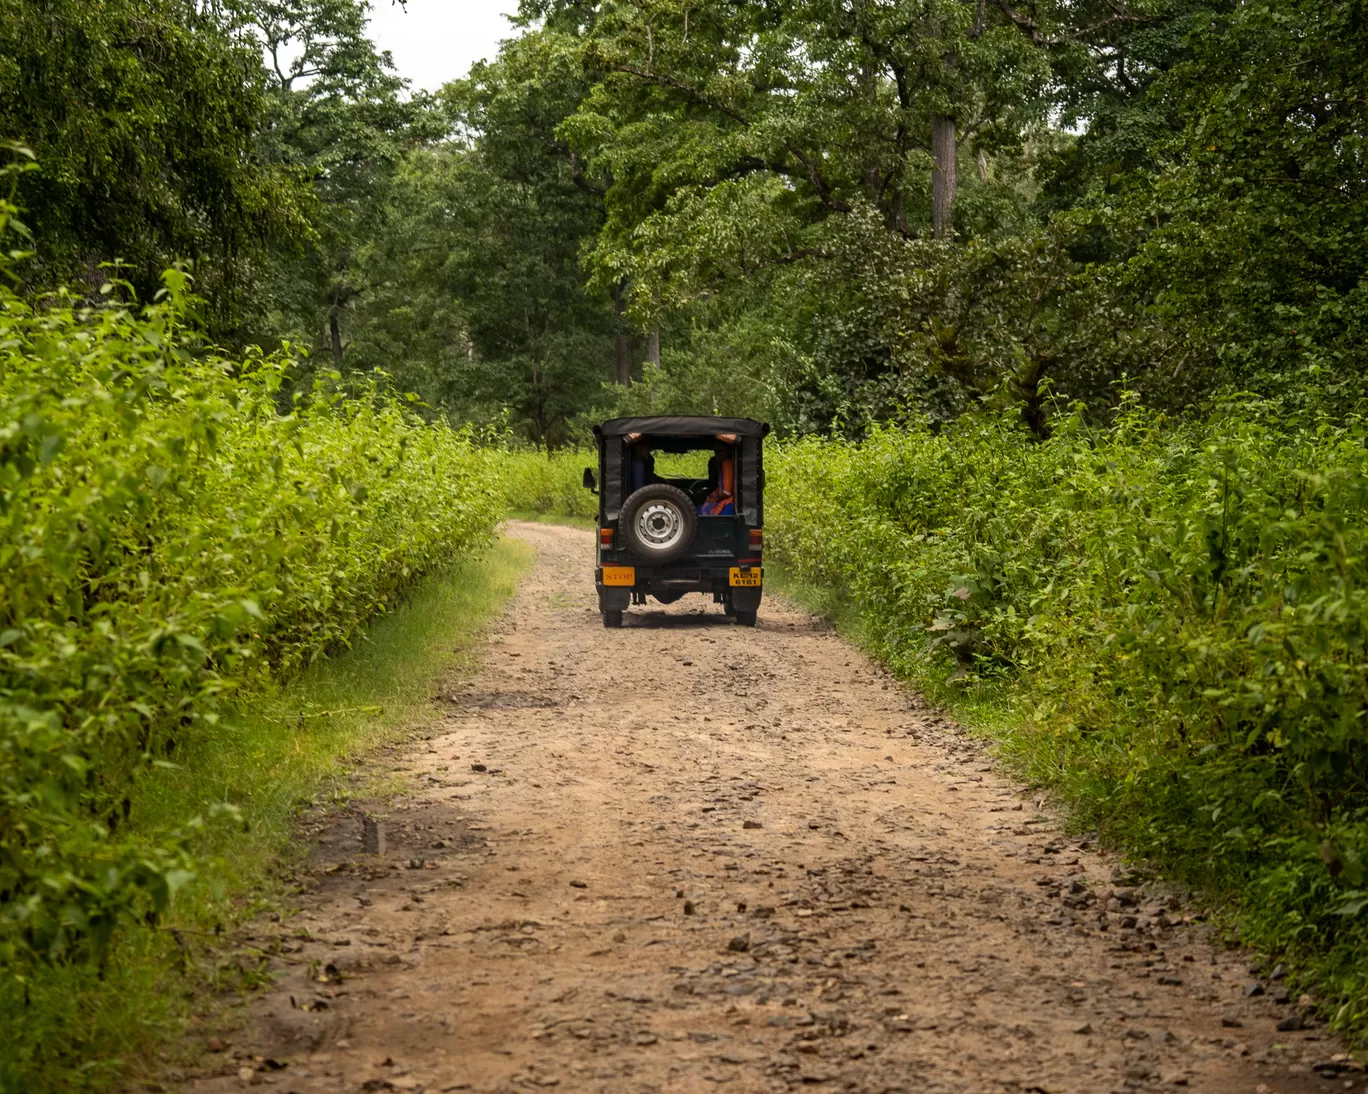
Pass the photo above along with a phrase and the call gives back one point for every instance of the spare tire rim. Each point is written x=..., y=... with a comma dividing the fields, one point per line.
x=659, y=525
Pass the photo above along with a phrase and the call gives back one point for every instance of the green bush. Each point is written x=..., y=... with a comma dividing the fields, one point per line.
x=1177, y=613
x=549, y=482
x=172, y=538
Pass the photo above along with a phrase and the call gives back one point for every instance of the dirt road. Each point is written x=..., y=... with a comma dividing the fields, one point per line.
x=686, y=856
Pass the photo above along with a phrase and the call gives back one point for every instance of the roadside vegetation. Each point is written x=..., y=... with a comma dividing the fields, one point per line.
x=305, y=746
x=549, y=483
x=179, y=540
x=1165, y=620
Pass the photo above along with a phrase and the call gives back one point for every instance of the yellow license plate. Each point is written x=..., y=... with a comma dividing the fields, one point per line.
x=748, y=579
x=619, y=575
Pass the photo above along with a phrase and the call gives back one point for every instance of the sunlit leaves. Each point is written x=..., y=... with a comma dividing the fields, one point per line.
x=173, y=535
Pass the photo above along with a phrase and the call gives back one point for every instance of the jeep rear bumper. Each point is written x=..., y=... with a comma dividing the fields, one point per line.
x=673, y=582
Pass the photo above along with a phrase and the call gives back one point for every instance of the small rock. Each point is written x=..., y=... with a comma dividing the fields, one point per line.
x=752, y=824
x=679, y=893
x=740, y=905
x=1230, y=1021
x=1085, y=1028
x=643, y=1039
x=1278, y=973
x=739, y=944
x=1124, y=897
x=689, y=907
x=1252, y=989
x=579, y=885
x=246, y=1074
x=216, y=1044
x=1291, y=1023
x=372, y=836
x=478, y=767
x=1282, y=997
x=619, y=937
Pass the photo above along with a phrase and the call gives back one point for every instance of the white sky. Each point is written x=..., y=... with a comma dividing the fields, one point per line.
x=434, y=41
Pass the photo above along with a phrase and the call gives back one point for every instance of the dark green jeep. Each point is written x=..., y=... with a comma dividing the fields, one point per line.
x=681, y=510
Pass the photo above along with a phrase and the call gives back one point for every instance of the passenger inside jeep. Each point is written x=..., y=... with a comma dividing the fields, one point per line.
x=721, y=500
x=711, y=486
x=641, y=468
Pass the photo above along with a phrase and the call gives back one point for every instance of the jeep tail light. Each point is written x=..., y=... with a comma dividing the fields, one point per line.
x=606, y=539
x=757, y=538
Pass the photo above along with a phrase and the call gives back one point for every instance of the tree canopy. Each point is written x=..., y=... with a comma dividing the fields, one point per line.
x=826, y=212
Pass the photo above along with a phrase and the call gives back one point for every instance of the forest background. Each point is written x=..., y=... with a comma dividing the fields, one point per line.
x=826, y=214
x=1058, y=310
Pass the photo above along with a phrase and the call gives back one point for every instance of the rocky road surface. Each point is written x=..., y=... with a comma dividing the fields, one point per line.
x=688, y=856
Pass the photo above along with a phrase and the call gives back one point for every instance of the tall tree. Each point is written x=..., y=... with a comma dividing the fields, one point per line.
x=475, y=297
x=340, y=118
x=746, y=125
x=520, y=211
x=143, y=115
x=1254, y=235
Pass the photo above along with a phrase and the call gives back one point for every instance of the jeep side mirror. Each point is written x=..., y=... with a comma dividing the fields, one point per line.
x=589, y=482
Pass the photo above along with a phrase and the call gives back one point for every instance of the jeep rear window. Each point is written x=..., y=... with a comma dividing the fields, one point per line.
x=683, y=465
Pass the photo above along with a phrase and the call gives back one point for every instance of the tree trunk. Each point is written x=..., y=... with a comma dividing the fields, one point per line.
x=653, y=348
x=943, y=176
x=624, y=345
x=335, y=335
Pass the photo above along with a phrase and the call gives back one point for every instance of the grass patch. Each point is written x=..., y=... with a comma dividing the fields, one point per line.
x=85, y=1029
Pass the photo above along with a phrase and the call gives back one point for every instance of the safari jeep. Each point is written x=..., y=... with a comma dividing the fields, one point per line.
x=681, y=510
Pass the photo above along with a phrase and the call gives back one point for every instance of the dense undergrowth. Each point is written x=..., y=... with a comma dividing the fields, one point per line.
x=175, y=541
x=538, y=481
x=1173, y=614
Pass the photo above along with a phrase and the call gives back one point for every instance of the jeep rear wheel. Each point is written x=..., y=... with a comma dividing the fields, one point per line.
x=658, y=523
x=746, y=619
x=612, y=619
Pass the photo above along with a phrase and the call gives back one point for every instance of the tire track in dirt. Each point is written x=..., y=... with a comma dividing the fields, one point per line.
x=688, y=856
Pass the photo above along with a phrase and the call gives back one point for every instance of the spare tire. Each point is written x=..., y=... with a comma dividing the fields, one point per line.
x=658, y=523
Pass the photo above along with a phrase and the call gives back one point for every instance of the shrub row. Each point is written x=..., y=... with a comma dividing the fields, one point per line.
x=549, y=482
x=1177, y=613
x=174, y=534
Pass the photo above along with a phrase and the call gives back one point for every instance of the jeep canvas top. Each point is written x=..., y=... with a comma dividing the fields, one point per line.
x=681, y=510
